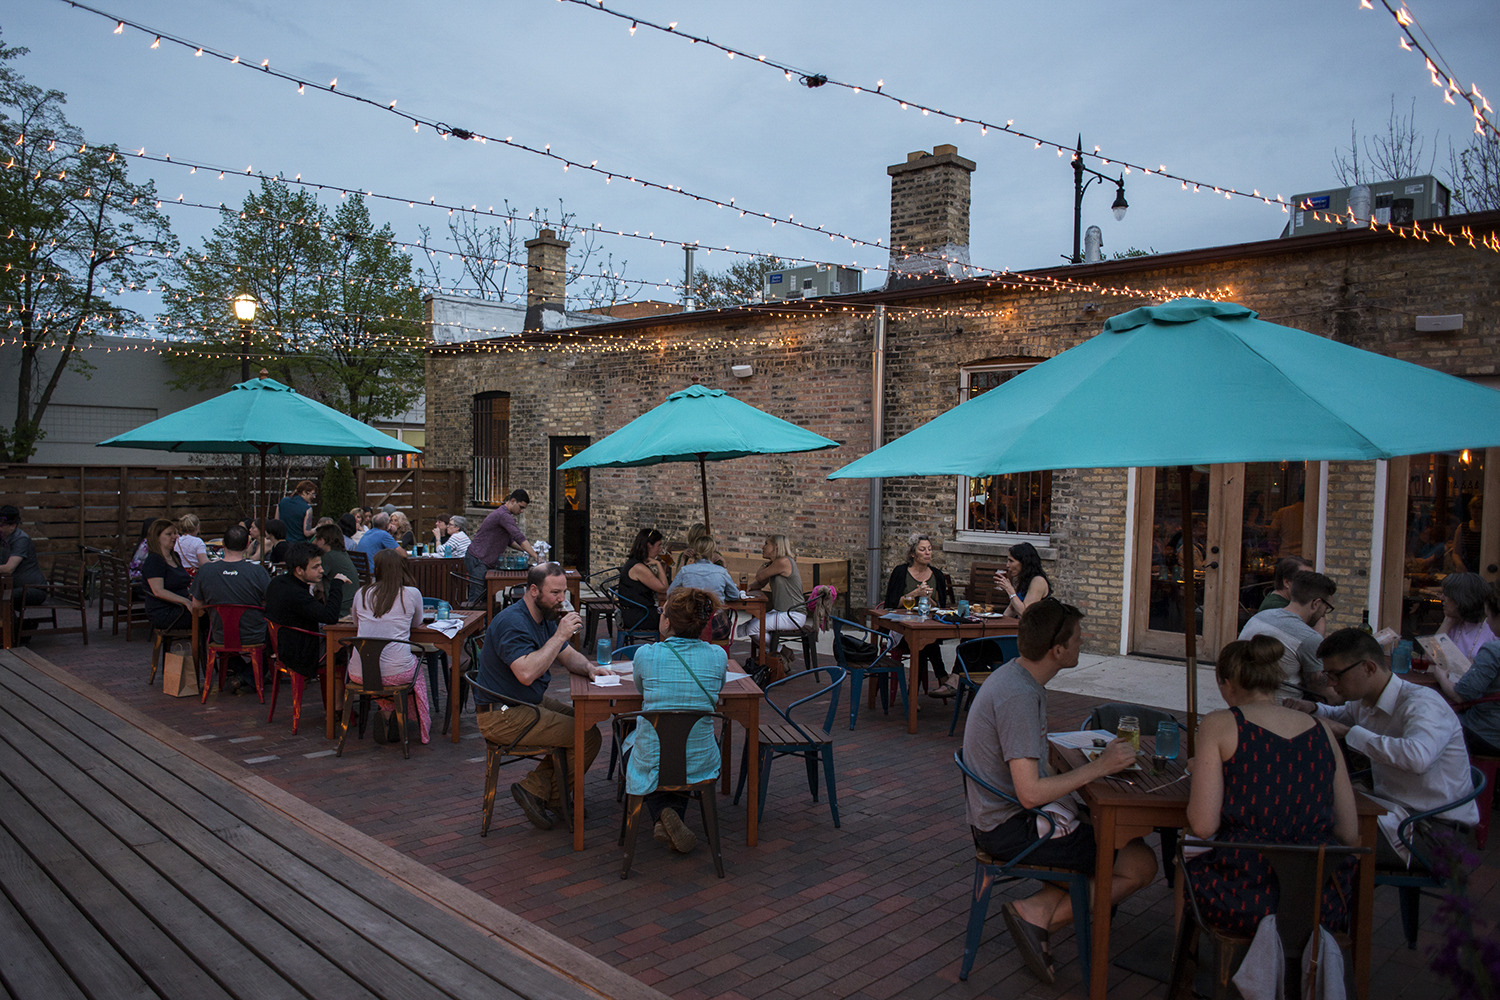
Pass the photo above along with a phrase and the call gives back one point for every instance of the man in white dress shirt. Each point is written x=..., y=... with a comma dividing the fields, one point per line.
x=1413, y=739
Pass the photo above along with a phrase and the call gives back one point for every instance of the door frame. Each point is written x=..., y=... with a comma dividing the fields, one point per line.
x=555, y=494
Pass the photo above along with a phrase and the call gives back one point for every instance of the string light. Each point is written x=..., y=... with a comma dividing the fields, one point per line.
x=813, y=80
x=1444, y=80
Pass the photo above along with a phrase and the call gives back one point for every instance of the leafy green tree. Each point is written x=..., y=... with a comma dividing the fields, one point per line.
x=73, y=227
x=339, y=314
x=339, y=492
x=743, y=282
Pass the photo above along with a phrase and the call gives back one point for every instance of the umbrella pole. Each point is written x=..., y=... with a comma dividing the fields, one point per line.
x=260, y=506
x=703, y=479
x=1189, y=606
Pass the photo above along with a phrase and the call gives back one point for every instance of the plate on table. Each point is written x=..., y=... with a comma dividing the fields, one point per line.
x=1092, y=753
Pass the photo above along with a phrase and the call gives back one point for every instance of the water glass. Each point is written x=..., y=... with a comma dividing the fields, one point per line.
x=963, y=609
x=1401, y=657
x=923, y=606
x=1167, y=740
x=602, y=652
x=1129, y=728
x=447, y=550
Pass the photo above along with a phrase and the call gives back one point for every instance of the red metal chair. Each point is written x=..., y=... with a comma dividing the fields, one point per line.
x=1489, y=767
x=298, y=680
x=219, y=653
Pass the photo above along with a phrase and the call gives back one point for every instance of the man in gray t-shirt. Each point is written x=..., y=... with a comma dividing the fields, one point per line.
x=234, y=580
x=1295, y=627
x=1005, y=744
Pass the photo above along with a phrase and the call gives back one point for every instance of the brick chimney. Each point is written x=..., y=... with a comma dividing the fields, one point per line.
x=929, y=217
x=546, y=280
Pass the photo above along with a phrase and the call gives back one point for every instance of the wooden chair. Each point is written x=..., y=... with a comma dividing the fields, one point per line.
x=599, y=606
x=672, y=731
x=789, y=737
x=981, y=587
x=973, y=662
x=161, y=645
x=988, y=871
x=1420, y=875
x=1301, y=872
x=296, y=678
x=372, y=685
x=1488, y=766
x=498, y=756
x=117, y=598
x=882, y=668
x=64, y=590
x=361, y=561
x=218, y=656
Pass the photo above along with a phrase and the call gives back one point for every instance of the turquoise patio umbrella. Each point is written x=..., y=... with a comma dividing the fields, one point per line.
x=1194, y=382
x=702, y=425
x=265, y=417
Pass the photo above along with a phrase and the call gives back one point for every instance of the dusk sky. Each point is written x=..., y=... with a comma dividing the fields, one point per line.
x=1254, y=96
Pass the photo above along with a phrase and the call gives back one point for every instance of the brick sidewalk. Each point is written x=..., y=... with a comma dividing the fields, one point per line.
x=876, y=909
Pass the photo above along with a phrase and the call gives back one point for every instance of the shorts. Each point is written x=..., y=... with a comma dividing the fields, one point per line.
x=1076, y=851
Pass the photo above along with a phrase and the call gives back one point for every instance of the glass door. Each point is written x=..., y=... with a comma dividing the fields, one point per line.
x=1272, y=525
x=1160, y=613
x=1444, y=532
x=568, y=506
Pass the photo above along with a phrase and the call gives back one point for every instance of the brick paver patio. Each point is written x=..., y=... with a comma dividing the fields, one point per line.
x=873, y=910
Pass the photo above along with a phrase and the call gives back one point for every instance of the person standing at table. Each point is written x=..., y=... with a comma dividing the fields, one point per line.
x=1005, y=743
x=682, y=673
x=521, y=646
x=500, y=531
x=1280, y=594
x=296, y=511
x=235, y=580
x=643, y=579
x=1463, y=612
x=915, y=579
x=1264, y=774
x=1023, y=582
x=290, y=601
x=377, y=538
x=1414, y=741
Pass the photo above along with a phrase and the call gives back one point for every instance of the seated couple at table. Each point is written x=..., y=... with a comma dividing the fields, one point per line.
x=1005, y=744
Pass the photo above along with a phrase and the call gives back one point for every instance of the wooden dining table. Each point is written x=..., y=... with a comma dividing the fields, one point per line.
x=919, y=632
x=474, y=622
x=739, y=700
x=1134, y=804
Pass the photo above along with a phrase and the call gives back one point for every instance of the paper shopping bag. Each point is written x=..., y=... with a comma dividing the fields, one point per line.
x=179, y=676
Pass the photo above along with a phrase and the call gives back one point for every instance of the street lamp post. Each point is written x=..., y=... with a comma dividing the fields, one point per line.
x=244, y=310
x=1080, y=186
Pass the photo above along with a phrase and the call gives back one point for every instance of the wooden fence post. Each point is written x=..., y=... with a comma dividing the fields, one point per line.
x=82, y=487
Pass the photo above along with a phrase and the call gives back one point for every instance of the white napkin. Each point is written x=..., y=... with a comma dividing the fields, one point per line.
x=607, y=680
x=734, y=675
x=447, y=626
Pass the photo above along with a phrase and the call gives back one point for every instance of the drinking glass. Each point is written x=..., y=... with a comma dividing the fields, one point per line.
x=1401, y=657
x=1129, y=728
x=602, y=652
x=1167, y=743
x=963, y=609
x=908, y=602
x=923, y=606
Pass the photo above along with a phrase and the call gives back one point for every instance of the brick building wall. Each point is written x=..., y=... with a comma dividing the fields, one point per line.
x=812, y=367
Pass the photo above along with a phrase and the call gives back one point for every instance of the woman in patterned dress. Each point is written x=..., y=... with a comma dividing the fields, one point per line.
x=1269, y=775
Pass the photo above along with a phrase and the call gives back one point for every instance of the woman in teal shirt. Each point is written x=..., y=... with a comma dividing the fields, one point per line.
x=681, y=673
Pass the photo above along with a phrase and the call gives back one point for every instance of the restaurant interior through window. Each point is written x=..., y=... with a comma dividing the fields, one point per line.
x=1444, y=533
x=1019, y=503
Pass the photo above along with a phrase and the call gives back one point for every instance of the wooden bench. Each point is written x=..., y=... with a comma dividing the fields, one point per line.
x=135, y=863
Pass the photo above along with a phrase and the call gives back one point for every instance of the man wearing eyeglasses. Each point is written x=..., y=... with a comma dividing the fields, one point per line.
x=1296, y=628
x=1005, y=744
x=1413, y=739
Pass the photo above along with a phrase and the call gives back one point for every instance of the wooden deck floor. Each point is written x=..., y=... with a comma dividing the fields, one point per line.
x=134, y=863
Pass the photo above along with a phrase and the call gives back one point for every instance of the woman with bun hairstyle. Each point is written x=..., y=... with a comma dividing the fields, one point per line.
x=680, y=673
x=1264, y=774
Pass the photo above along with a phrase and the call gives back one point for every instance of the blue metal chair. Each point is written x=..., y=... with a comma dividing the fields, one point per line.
x=789, y=737
x=623, y=653
x=881, y=669
x=628, y=609
x=984, y=653
x=988, y=871
x=1410, y=883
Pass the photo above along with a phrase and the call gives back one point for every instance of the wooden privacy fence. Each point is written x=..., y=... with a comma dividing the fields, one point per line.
x=64, y=506
x=422, y=494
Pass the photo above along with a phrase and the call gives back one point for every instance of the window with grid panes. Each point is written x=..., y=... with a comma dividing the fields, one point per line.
x=1018, y=503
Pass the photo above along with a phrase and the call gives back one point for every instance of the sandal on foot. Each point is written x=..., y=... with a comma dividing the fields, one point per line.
x=945, y=692
x=1031, y=942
